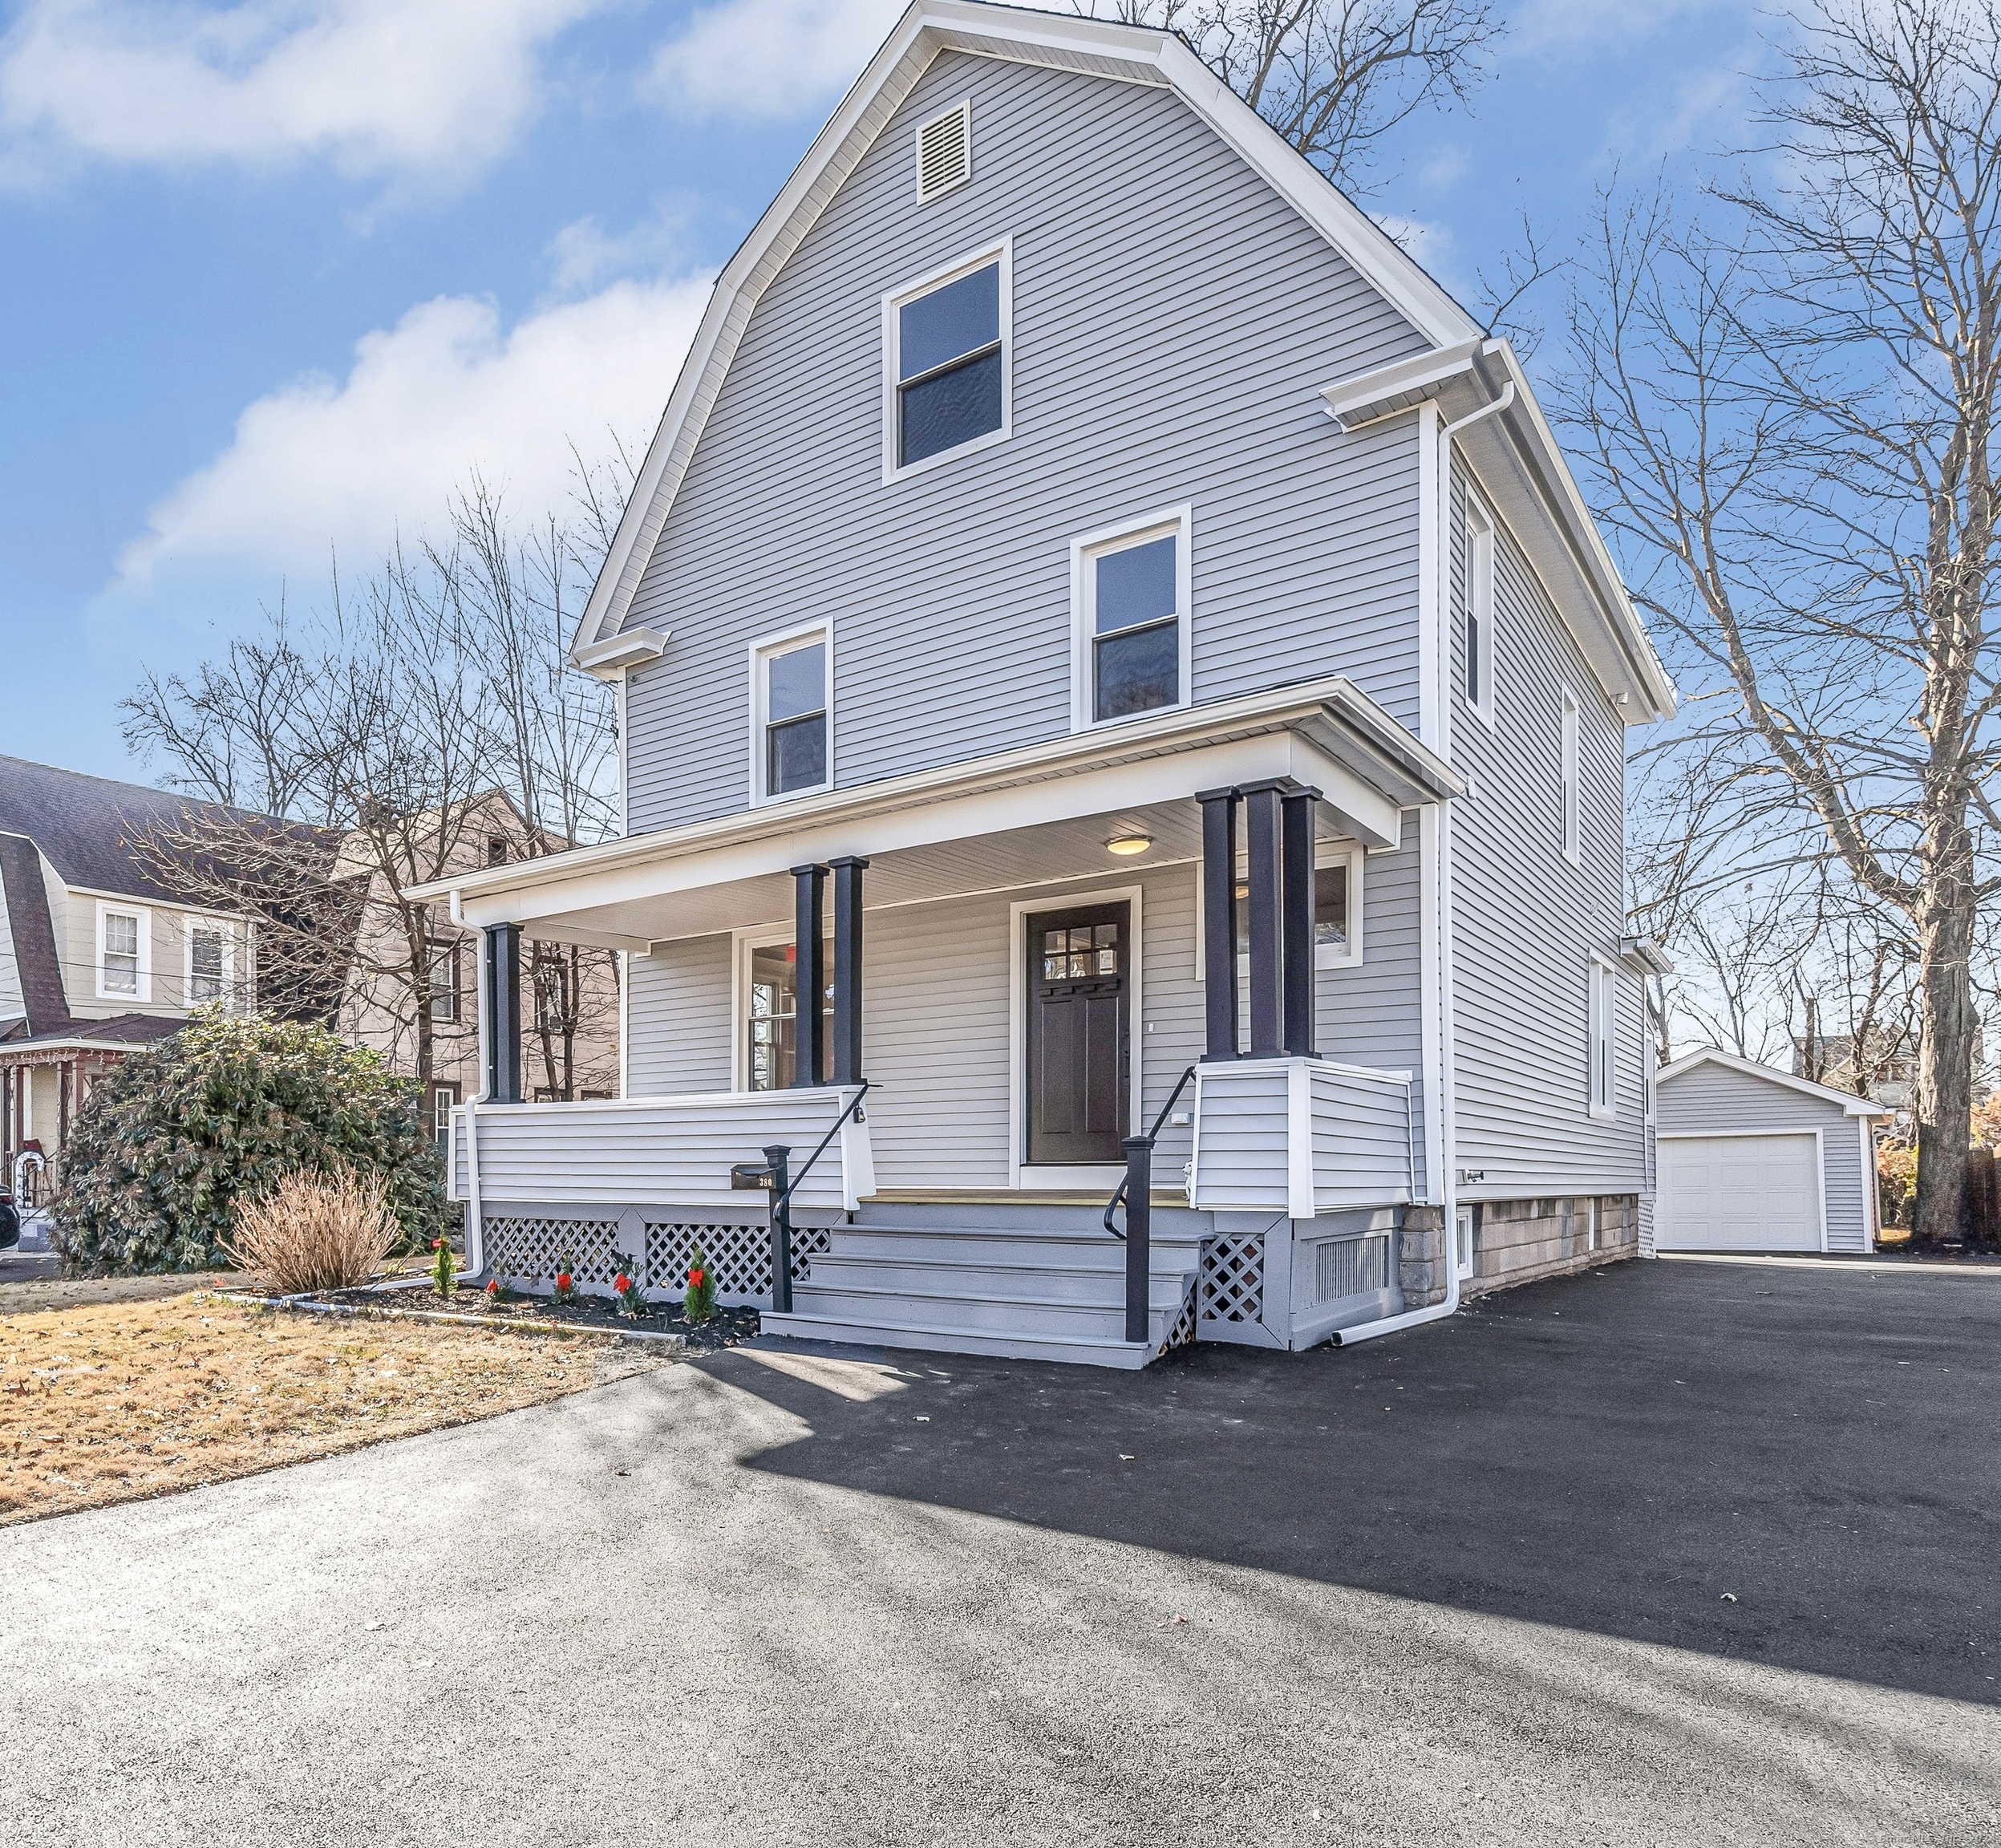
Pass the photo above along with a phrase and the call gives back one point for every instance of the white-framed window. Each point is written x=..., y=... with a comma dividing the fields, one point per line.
x=945, y=150
x=124, y=953
x=1573, y=817
x=445, y=1099
x=1478, y=640
x=1129, y=596
x=1601, y=1011
x=445, y=979
x=767, y=1051
x=948, y=362
x=211, y=954
x=1463, y=1242
x=792, y=714
x=1337, y=908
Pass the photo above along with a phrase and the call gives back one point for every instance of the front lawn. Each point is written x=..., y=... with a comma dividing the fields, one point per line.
x=113, y=1401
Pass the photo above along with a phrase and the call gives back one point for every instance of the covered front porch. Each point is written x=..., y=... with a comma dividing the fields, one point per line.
x=1140, y=946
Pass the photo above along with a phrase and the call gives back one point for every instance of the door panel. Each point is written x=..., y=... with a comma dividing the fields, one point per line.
x=1078, y=987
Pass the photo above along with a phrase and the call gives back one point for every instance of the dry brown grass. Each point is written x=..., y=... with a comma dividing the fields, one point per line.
x=317, y=1231
x=121, y=1401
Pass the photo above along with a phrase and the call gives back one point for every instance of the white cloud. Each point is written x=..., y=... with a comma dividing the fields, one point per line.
x=433, y=90
x=583, y=252
x=350, y=463
x=771, y=58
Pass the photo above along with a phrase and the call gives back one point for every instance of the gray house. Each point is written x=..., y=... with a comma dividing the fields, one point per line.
x=1106, y=647
x=1752, y=1159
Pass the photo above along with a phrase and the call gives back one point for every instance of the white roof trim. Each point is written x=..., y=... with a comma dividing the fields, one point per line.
x=1826, y=1094
x=1134, y=54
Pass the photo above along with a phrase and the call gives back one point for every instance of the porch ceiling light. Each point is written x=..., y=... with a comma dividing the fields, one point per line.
x=1128, y=843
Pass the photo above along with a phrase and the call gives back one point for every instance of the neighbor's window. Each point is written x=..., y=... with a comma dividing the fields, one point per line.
x=1602, y=1006
x=443, y=1098
x=771, y=1018
x=1479, y=612
x=208, y=950
x=791, y=697
x=1132, y=593
x=950, y=364
x=1573, y=841
x=121, y=953
x=444, y=981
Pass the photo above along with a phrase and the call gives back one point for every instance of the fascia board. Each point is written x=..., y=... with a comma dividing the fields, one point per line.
x=927, y=28
x=1330, y=711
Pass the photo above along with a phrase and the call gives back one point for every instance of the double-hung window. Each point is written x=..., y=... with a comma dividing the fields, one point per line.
x=948, y=361
x=123, y=965
x=208, y=964
x=444, y=980
x=1130, y=589
x=1479, y=640
x=789, y=696
x=1601, y=1006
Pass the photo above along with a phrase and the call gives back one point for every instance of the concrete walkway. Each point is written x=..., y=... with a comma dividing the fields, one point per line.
x=1464, y=1585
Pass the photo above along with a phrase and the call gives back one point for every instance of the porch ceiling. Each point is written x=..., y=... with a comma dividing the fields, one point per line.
x=1037, y=815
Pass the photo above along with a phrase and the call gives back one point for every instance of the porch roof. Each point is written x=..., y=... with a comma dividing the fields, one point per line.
x=1039, y=815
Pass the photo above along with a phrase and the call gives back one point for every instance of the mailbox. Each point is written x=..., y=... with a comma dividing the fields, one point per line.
x=752, y=1177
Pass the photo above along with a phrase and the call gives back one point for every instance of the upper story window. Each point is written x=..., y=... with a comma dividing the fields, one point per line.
x=208, y=964
x=792, y=715
x=124, y=953
x=1130, y=592
x=1573, y=815
x=947, y=382
x=1480, y=611
x=496, y=850
x=444, y=980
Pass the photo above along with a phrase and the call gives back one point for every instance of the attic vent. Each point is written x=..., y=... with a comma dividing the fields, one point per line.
x=945, y=151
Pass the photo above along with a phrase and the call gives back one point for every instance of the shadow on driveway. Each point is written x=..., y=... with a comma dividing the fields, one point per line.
x=1612, y=1452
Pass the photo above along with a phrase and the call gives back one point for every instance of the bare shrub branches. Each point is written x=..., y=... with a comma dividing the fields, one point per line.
x=314, y=1231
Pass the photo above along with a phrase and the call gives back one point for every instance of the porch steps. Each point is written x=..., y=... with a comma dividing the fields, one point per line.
x=987, y=1283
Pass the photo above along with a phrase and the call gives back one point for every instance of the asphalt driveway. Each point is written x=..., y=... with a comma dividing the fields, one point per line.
x=1464, y=1585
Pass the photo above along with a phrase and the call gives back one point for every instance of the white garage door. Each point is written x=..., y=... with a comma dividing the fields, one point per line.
x=1739, y=1193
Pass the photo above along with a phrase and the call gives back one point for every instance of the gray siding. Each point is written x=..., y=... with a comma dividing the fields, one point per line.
x=1172, y=316
x=1525, y=920
x=1713, y=1098
x=678, y=1016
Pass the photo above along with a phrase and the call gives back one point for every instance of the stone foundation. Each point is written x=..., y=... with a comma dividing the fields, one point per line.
x=1422, y=1253
x=1519, y=1241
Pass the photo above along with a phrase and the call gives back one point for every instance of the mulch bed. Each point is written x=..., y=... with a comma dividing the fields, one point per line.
x=725, y=1328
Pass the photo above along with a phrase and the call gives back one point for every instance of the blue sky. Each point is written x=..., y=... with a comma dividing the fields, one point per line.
x=278, y=273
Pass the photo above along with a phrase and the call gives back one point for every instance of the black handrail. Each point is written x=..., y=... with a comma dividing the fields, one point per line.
x=1119, y=1193
x=784, y=1186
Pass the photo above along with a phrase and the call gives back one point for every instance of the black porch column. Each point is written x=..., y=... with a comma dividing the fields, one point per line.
x=1295, y=855
x=1267, y=947
x=810, y=975
x=1219, y=921
x=500, y=1032
x=847, y=871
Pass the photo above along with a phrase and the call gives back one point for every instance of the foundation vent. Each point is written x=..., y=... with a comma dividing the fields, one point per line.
x=1350, y=1267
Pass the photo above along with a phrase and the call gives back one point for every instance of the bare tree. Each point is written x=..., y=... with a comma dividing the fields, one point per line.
x=1790, y=405
x=1333, y=77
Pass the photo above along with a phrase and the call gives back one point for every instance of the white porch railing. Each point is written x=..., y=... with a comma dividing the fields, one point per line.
x=650, y=1165
x=1302, y=1136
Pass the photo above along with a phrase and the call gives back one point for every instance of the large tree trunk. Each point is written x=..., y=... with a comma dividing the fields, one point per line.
x=1944, y=1102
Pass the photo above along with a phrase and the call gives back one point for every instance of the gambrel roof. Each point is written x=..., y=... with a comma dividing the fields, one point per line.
x=1539, y=497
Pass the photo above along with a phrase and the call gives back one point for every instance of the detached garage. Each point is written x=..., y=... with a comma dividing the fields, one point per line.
x=1751, y=1159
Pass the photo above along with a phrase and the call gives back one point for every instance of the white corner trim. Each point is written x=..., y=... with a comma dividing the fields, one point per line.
x=1000, y=250
x=1180, y=520
x=1299, y=1200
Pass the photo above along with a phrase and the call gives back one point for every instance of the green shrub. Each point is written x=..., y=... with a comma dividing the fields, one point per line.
x=172, y=1139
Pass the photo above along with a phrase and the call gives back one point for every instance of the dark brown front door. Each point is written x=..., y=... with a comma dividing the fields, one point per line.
x=1079, y=979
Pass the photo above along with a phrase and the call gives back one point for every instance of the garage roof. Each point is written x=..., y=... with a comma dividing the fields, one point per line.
x=1826, y=1094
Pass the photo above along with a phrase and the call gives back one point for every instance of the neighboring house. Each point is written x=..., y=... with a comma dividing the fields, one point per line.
x=1890, y=1060
x=569, y=1038
x=1084, y=545
x=97, y=954
x=1753, y=1159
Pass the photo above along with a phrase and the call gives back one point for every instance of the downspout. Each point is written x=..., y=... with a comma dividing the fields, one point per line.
x=1448, y=1178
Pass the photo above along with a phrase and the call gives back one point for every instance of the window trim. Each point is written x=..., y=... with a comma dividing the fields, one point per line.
x=1571, y=791
x=1601, y=1037
x=141, y=993
x=1003, y=249
x=762, y=650
x=1482, y=551
x=214, y=927
x=1089, y=546
x=1325, y=854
